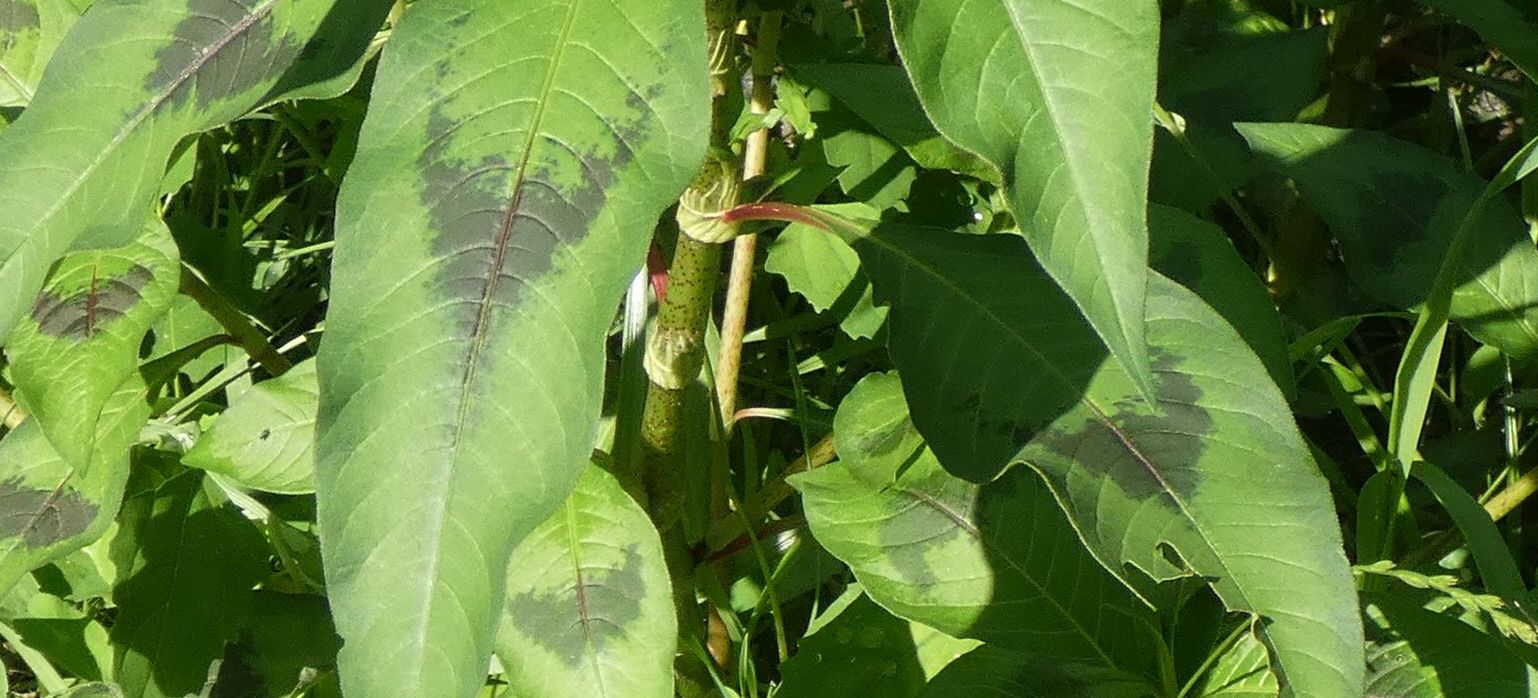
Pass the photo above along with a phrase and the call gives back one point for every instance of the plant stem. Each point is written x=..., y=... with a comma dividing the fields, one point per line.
x=725, y=531
x=1357, y=34
x=253, y=340
x=11, y=415
x=675, y=350
x=739, y=285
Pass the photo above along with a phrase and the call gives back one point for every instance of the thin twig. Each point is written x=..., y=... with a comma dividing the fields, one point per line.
x=734, y=319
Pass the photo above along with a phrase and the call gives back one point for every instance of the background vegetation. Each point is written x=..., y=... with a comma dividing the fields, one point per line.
x=768, y=347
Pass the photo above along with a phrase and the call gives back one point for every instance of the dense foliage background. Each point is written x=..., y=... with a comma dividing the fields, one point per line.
x=1179, y=348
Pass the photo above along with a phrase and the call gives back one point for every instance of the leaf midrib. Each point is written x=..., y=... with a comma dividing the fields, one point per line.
x=256, y=14
x=478, y=336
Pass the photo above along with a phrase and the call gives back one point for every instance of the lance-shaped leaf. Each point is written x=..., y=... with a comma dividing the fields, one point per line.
x=81, y=165
x=81, y=340
x=1394, y=207
x=187, y=564
x=1059, y=96
x=486, y=232
x=589, y=608
x=265, y=439
x=1217, y=475
x=1508, y=24
x=996, y=562
x=30, y=30
x=49, y=508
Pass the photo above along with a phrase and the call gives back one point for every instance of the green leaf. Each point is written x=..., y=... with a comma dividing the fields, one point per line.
x=81, y=165
x=826, y=271
x=996, y=562
x=49, y=508
x=1418, y=653
x=1508, y=24
x=80, y=341
x=987, y=349
x=1395, y=208
x=1496, y=566
x=589, y=607
x=286, y=639
x=993, y=672
x=515, y=193
x=30, y=30
x=1059, y=96
x=1199, y=256
x=853, y=648
x=188, y=565
x=265, y=439
x=882, y=96
x=1242, y=671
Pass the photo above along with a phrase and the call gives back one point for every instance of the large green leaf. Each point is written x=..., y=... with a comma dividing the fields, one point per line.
x=589, y=609
x=1511, y=25
x=1058, y=95
x=996, y=562
x=1395, y=207
x=1243, y=670
x=853, y=648
x=187, y=566
x=1198, y=254
x=265, y=439
x=81, y=340
x=30, y=30
x=82, y=163
x=486, y=231
x=50, y=508
x=983, y=344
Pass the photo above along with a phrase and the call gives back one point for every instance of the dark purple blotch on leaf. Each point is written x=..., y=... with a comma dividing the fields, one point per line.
x=605, y=603
x=81, y=314
x=42, y=517
x=222, y=48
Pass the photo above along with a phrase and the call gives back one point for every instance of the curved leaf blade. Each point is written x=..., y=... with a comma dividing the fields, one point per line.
x=265, y=440
x=1134, y=480
x=996, y=562
x=1059, y=96
x=49, y=508
x=30, y=30
x=81, y=165
x=80, y=341
x=589, y=607
x=461, y=373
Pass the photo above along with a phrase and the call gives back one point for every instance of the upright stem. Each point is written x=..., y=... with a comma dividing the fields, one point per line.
x=1357, y=33
x=739, y=286
x=11, y=415
x=675, y=351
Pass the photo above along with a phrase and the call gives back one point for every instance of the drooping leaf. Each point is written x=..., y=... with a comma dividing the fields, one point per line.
x=188, y=565
x=514, y=193
x=1135, y=481
x=265, y=439
x=81, y=340
x=1058, y=95
x=50, y=508
x=1198, y=255
x=81, y=165
x=1415, y=652
x=589, y=608
x=1395, y=207
x=1508, y=24
x=30, y=30
x=996, y=562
